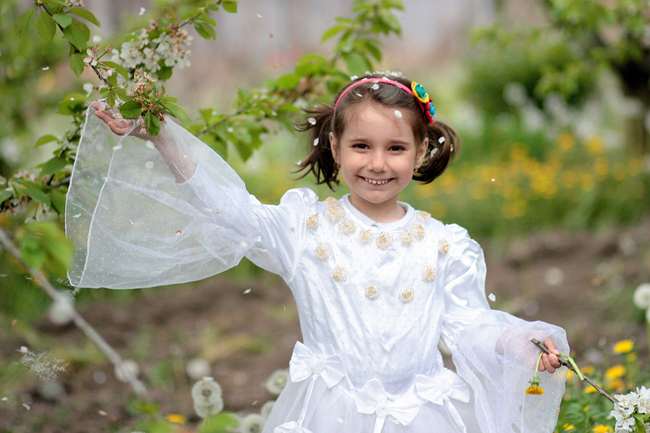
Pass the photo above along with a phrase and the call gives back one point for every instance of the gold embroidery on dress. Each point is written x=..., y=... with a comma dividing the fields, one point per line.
x=423, y=216
x=428, y=273
x=365, y=236
x=334, y=214
x=384, y=241
x=407, y=295
x=340, y=273
x=443, y=246
x=312, y=221
x=347, y=227
x=406, y=237
x=323, y=251
x=372, y=291
x=419, y=231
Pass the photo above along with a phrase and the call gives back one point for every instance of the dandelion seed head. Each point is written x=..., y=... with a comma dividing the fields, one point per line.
x=45, y=366
x=206, y=394
x=277, y=381
x=252, y=423
x=127, y=370
x=265, y=410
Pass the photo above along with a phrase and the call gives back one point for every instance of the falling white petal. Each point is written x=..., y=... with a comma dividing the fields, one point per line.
x=316, y=142
x=311, y=121
x=441, y=140
x=247, y=291
x=375, y=86
x=142, y=11
x=354, y=77
x=46, y=68
x=491, y=297
x=434, y=151
x=398, y=114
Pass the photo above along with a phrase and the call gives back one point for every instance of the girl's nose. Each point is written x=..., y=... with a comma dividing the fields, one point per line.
x=377, y=161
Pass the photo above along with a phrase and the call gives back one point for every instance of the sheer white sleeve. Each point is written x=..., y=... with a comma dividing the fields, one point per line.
x=492, y=349
x=134, y=225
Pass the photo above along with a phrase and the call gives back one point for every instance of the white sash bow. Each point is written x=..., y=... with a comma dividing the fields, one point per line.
x=372, y=398
x=303, y=365
x=440, y=389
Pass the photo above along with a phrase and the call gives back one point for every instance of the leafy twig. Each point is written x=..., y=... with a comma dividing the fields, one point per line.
x=81, y=323
x=571, y=366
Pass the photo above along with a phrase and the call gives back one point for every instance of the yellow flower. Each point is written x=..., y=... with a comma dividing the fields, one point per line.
x=623, y=346
x=595, y=145
x=176, y=418
x=569, y=375
x=602, y=429
x=589, y=390
x=617, y=385
x=569, y=427
x=631, y=357
x=615, y=372
x=565, y=142
x=534, y=390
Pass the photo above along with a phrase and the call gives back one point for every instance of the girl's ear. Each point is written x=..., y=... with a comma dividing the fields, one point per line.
x=422, y=151
x=334, y=145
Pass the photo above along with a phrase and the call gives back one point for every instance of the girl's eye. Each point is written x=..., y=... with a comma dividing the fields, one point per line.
x=397, y=148
x=359, y=146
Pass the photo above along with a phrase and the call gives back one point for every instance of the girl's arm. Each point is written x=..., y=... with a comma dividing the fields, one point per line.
x=178, y=161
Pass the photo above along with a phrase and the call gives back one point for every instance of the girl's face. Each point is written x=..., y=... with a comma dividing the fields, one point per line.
x=377, y=153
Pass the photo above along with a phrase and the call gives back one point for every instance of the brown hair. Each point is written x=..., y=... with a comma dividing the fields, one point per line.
x=444, y=142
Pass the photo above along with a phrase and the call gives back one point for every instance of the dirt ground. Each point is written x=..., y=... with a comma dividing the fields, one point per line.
x=246, y=330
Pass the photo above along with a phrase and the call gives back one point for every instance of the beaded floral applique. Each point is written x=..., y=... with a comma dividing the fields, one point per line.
x=418, y=230
x=406, y=237
x=423, y=216
x=331, y=201
x=323, y=251
x=340, y=273
x=347, y=227
x=365, y=236
x=443, y=246
x=312, y=221
x=334, y=214
x=384, y=241
x=407, y=295
x=428, y=273
x=372, y=291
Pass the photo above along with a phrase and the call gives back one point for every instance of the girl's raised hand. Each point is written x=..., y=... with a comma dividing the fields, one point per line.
x=550, y=362
x=119, y=126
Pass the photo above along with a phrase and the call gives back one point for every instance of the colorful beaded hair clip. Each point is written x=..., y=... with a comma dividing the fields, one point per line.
x=417, y=90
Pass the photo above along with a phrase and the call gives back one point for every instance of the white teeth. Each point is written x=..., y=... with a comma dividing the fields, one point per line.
x=377, y=182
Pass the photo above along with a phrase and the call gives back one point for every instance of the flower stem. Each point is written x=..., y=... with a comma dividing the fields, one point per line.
x=570, y=365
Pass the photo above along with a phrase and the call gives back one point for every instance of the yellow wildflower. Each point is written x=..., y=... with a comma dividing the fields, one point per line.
x=602, y=429
x=631, y=357
x=569, y=374
x=534, y=390
x=565, y=142
x=617, y=385
x=569, y=427
x=615, y=372
x=589, y=390
x=623, y=346
x=176, y=418
x=595, y=145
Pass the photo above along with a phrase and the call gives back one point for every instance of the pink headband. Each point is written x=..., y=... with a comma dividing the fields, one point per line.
x=427, y=107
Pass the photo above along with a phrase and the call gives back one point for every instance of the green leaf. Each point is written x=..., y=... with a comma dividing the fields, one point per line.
x=46, y=26
x=206, y=114
x=37, y=194
x=356, y=63
x=205, y=30
x=332, y=31
x=81, y=26
x=5, y=195
x=178, y=112
x=24, y=20
x=54, y=165
x=75, y=37
x=58, y=201
x=165, y=72
x=85, y=14
x=122, y=94
x=230, y=6
x=118, y=68
x=64, y=20
x=152, y=123
x=131, y=110
x=48, y=138
x=207, y=19
x=110, y=98
x=77, y=64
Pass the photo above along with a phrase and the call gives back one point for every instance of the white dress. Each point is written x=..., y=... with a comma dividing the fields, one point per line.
x=373, y=298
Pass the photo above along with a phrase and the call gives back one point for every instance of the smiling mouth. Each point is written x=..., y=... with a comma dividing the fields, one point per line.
x=376, y=181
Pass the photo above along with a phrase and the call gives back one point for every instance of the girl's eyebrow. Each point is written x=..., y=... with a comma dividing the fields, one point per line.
x=365, y=140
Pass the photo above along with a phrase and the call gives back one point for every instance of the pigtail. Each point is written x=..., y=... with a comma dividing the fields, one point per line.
x=320, y=160
x=444, y=146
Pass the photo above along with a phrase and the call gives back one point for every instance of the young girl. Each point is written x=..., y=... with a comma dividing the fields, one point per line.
x=376, y=283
